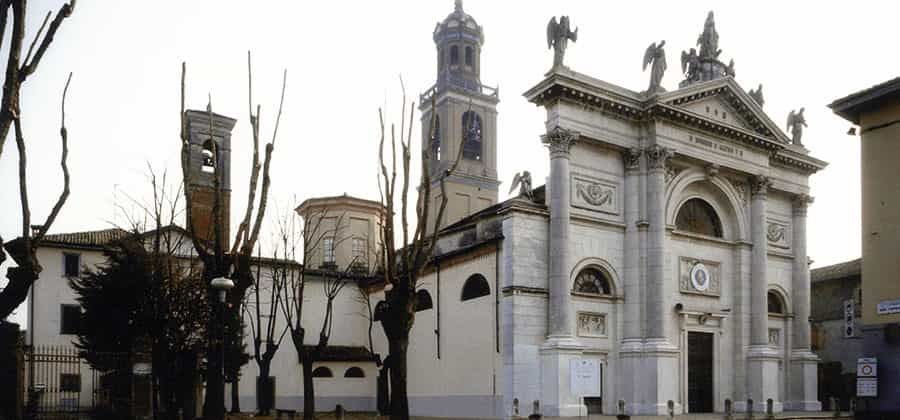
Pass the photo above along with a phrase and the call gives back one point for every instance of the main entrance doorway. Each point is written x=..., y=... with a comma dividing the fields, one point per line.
x=700, y=372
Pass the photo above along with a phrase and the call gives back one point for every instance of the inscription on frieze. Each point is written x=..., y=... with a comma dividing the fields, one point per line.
x=722, y=148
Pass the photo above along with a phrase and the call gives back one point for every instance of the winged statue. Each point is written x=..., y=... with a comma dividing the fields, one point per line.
x=558, y=36
x=523, y=182
x=795, y=123
x=655, y=57
x=690, y=64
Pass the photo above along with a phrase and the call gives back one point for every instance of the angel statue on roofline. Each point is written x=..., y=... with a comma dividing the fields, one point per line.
x=558, y=36
x=523, y=181
x=655, y=57
x=795, y=123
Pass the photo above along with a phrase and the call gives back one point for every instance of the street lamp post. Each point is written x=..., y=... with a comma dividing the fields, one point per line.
x=216, y=409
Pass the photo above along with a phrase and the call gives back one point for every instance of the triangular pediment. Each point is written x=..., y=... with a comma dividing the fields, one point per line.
x=724, y=102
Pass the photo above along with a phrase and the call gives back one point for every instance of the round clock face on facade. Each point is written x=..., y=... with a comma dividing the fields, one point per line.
x=700, y=277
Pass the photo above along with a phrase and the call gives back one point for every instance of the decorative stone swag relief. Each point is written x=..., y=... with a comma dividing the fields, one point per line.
x=700, y=277
x=595, y=195
x=591, y=324
x=778, y=233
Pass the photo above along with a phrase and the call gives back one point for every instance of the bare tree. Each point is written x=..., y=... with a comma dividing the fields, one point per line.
x=405, y=263
x=262, y=309
x=24, y=251
x=217, y=260
x=316, y=229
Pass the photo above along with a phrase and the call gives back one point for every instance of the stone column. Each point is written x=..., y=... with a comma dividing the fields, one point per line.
x=561, y=346
x=659, y=380
x=762, y=361
x=559, y=142
x=632, y=342
x=804, y=381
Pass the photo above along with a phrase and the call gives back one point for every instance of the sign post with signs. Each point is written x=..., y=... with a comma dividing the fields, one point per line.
x=867, y=377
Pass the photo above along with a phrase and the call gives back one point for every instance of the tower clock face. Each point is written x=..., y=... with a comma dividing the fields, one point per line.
x=700, y=277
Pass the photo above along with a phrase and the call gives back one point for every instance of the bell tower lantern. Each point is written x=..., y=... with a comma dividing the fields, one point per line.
x=465, y=115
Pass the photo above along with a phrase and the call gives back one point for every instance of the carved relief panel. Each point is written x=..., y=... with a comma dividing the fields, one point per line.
x=591, y=324
x=700, y=277
x=594, y=194
x=778, y=233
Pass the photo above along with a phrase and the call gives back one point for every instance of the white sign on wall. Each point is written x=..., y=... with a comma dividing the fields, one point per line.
x=867, y=377
x=866, y=387
x=889, y=307
x=585, y=377
x=849, y=319
x=867, y=367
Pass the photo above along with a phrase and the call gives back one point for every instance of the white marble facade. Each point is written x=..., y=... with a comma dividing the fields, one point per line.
x=623, y=166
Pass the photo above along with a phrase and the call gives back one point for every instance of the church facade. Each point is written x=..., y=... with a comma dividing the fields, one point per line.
x=668, y=248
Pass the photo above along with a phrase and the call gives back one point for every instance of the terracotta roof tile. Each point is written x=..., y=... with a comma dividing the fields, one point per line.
x=837, y=271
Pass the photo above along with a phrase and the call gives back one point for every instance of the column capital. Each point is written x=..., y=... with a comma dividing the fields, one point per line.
x=658, y=156
x=801, y=202
x=632, y=158
x=560, y=140
x=759, y=185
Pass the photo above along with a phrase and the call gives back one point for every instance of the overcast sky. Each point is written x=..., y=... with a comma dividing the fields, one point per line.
x=344, y=58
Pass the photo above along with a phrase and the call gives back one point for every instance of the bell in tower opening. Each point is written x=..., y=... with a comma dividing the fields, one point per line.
x=459, y=121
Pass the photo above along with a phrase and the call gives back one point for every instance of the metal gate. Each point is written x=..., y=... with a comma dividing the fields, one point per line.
x=61, y=384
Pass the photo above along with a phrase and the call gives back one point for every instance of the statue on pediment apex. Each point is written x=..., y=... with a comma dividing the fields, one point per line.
x=523, y=181
x=709, y=39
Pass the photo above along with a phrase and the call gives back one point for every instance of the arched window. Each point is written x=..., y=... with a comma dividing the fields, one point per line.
x=423, y=300
x=592, y=281
x=209, y=157
x=476, y=286
x=454, y=55
x=775, y=303
x=472, y=135
x=322, y=372
x=436, y=140
x=697, y=216
x=469, y=56
x=354, y=372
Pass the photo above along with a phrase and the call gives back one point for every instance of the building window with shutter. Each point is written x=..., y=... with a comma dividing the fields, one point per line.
x=70, y=319
x=360, y=257
x=71, y=264
x=328, y=252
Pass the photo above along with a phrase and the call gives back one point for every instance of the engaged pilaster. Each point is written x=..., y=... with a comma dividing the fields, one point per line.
x=632, y=161
x=657, y=159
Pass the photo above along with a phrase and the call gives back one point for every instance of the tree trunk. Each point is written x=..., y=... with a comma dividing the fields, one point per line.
x=235, y=395
x=264, y=401
x=309, y=393
x=399, y=403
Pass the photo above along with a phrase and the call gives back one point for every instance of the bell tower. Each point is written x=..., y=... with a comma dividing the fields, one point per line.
x=210, y=158
x=465, y=116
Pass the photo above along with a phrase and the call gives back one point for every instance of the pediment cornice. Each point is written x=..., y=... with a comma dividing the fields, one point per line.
x=569, y=86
